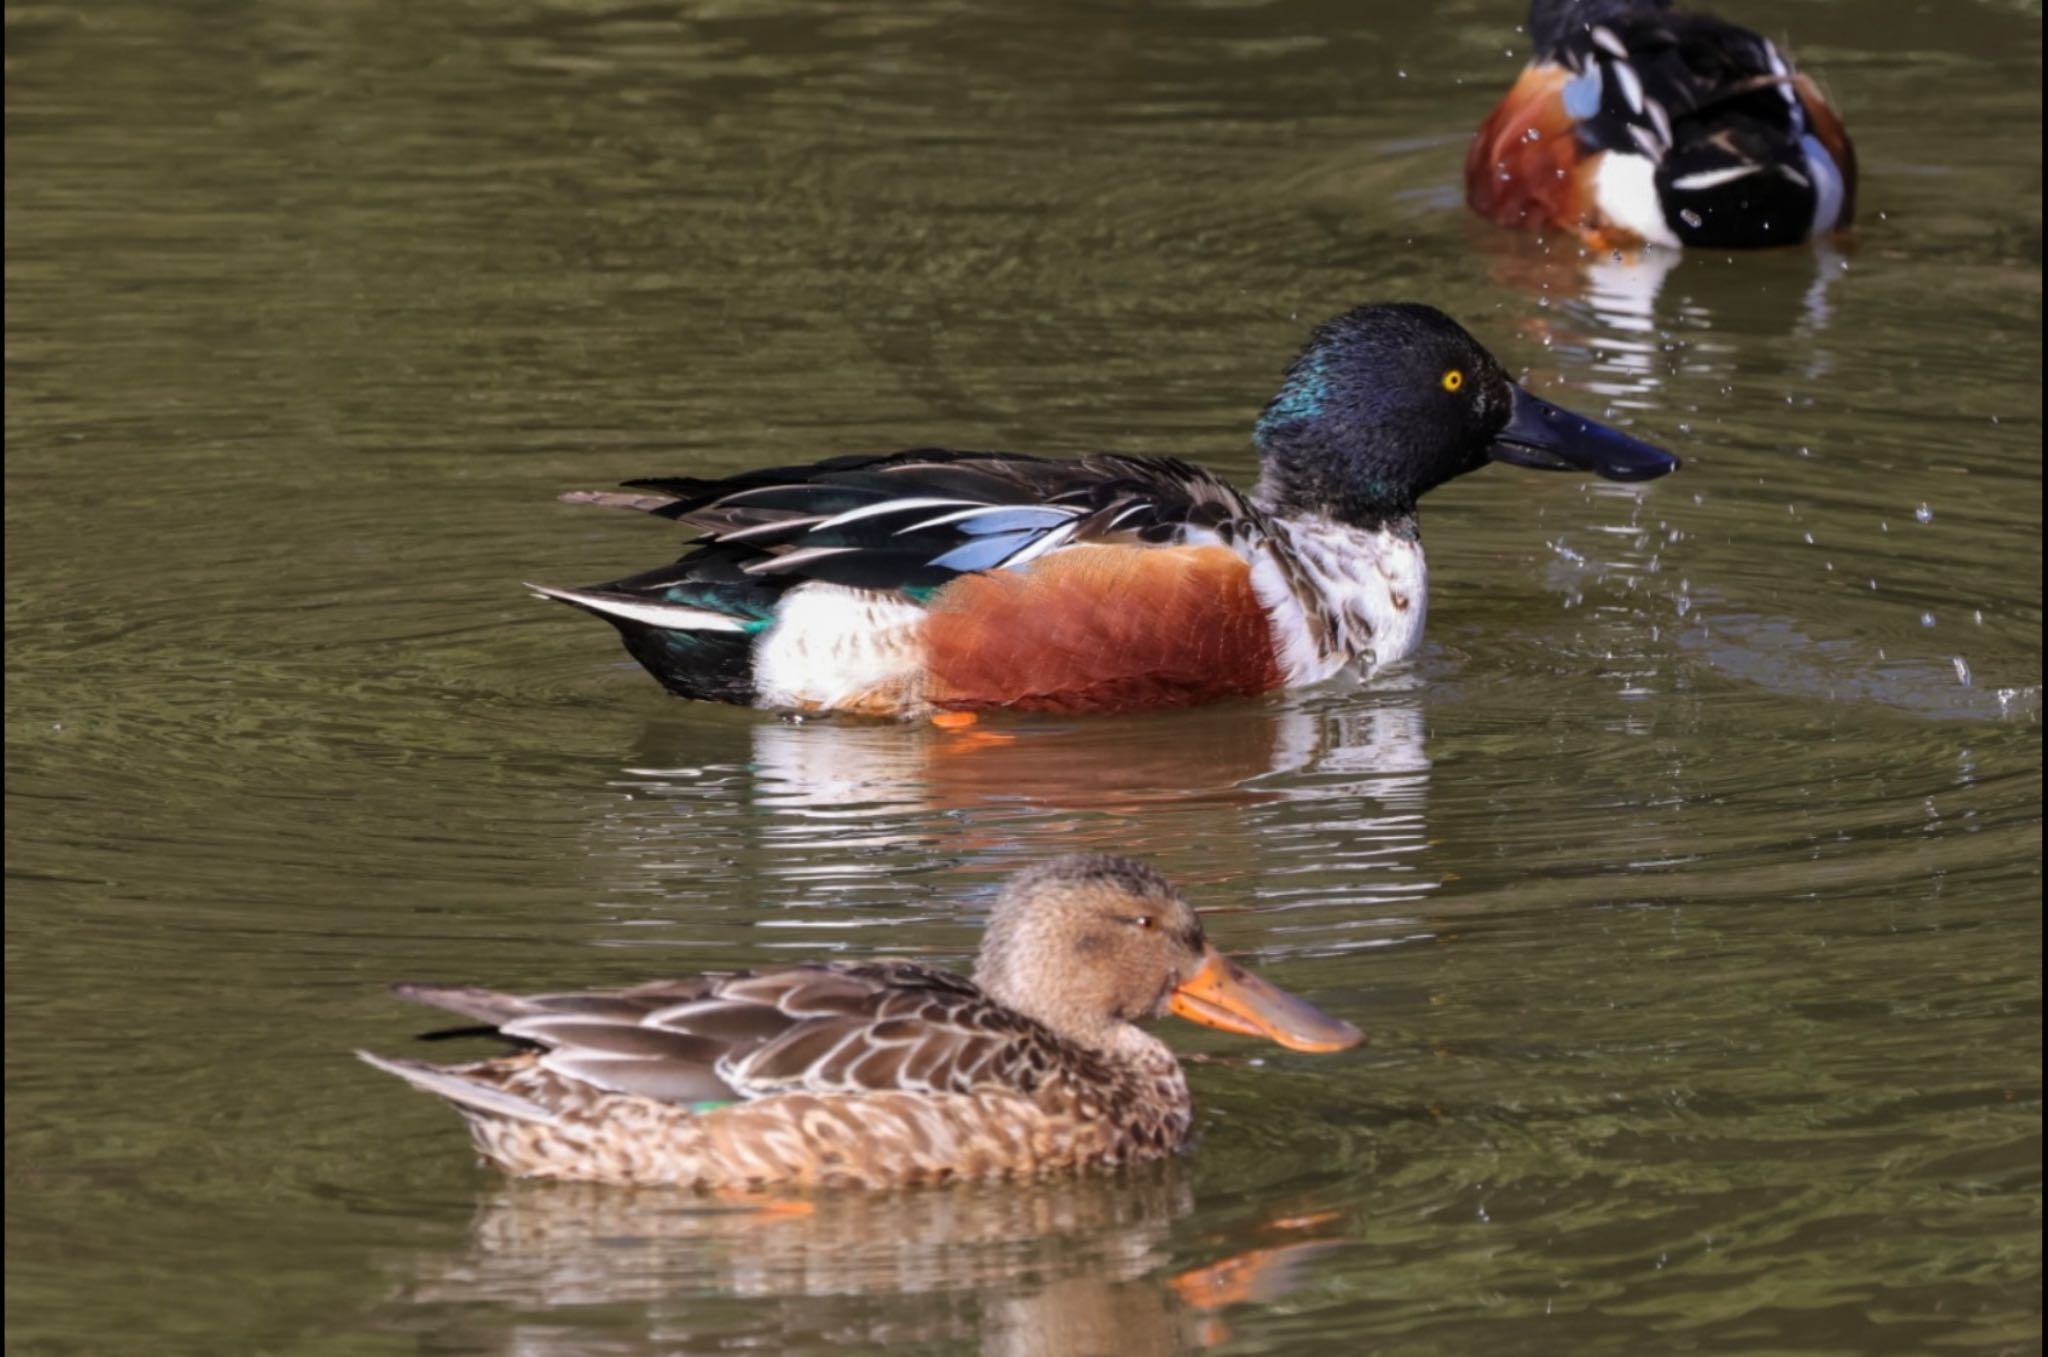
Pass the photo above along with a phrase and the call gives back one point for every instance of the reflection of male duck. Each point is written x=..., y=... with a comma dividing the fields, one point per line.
x=1228, y=793
x=1607, y=321
x=1236, y=754
x=1058, y=1267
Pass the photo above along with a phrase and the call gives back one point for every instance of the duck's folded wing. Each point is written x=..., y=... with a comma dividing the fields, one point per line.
x=814, y=1028
x=917, y=519
x=913, y=1030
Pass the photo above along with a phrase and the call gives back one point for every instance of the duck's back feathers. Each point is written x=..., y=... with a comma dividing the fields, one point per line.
x=918, y=519
x=816, y=1028
x=1685, y=129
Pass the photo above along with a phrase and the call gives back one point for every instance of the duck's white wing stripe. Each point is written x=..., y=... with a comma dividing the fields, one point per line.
x=1706, y=179
x=891, y=506
x=1044, y=544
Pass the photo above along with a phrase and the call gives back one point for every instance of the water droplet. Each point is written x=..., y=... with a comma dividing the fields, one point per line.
x=1400, y=75
x=1978, y=616
x=1962, y=670
x=1532, y=135
x=1926, y=619
x=1924, y=514
x=1809, y=539
x=1689, y=217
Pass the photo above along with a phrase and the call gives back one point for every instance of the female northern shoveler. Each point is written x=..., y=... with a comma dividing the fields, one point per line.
x=1634, y=124
x=935, y=581
x=877, y=1073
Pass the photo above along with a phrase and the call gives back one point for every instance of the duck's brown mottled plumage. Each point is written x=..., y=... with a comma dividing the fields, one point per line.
x=874, y=1073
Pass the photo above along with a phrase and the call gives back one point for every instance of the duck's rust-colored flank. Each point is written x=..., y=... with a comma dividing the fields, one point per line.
x=1525, y=168
x=1112, y=629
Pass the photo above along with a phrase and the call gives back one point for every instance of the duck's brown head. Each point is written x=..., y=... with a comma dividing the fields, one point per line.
x=1088, y=944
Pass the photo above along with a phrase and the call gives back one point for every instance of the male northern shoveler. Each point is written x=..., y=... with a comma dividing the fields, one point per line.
x=933, y=581
x=1635, y=124
x=877, y=1073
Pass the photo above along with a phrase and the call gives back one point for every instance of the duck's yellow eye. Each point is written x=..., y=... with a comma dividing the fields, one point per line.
x=1453, y=380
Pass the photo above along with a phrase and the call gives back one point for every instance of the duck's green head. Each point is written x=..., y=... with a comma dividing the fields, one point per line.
x=1389, y=401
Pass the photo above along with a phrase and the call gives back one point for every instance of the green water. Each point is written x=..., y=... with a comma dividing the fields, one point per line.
x=1689, y=881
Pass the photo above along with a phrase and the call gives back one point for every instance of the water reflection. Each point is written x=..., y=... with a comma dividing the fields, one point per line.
x=1083, y=1265
x=1628, y=329
x=838, y=814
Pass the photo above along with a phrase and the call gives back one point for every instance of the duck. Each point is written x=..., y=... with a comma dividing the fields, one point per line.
x=875, y=1073
x=943, y=584
x=1636, y=124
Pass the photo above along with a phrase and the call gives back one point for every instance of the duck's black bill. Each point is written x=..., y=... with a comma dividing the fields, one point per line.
x=1551, y=438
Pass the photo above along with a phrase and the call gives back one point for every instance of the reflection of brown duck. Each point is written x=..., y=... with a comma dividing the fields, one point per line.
x=878, y=1073
x=1064, y=1265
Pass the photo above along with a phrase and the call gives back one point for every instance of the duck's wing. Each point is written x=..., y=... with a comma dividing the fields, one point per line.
x=916, y=520
x=1745, y=150
x=827, y=1028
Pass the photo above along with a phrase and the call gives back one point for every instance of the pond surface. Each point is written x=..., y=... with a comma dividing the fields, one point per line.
x=1689, y=880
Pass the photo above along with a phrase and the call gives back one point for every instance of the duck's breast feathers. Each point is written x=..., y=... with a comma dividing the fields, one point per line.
x=826, y=1028
x=918, y=519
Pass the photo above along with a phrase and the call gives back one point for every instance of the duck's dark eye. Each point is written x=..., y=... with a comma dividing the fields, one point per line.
x=1454, y=380
x=1147, y=922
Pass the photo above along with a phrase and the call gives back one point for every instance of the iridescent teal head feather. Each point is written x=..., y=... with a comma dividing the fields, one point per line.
x=1389, y=401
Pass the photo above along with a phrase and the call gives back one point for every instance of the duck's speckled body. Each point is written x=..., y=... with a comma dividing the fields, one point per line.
x=881, y=1073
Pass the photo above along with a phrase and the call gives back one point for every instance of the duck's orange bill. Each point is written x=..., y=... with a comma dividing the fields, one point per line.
x=1225, y=995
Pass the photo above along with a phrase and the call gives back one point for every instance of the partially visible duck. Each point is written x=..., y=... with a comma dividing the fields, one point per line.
x=1638, y=124
x=876, y=1073
x=935, y=581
